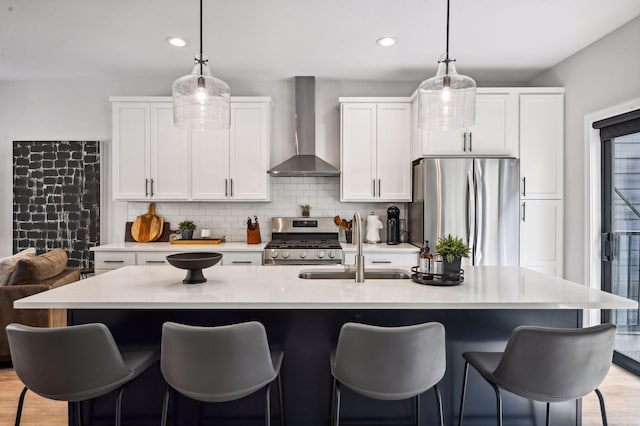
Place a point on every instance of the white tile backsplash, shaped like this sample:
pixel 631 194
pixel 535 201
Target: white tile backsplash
pixel 287 193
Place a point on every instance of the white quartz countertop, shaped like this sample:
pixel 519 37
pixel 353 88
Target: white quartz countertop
pixel 226 246
pixel 278 287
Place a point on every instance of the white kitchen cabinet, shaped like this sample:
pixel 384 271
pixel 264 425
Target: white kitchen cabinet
pixel 375 151
pixel 150 155
pixel 495 131
pixel 541 235
pixel 242 258
pixel 541 145
pixel 154 160
pixel 105 261
pixel 168 156
pixel 383 259
pixel 131 142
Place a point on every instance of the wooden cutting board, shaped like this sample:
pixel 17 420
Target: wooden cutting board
pixel 166 232
pixel 147 227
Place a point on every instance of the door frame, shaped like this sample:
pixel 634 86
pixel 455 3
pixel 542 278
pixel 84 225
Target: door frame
pixel 592 204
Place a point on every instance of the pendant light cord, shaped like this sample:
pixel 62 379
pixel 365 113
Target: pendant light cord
pixel 201 57
pixel 446 61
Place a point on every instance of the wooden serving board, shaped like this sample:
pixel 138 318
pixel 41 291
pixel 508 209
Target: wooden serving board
pixel 198 241
pixel 164 237
pixel 147 227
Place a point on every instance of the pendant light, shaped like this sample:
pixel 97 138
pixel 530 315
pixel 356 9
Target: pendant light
pixel 201 101
pixel 448 100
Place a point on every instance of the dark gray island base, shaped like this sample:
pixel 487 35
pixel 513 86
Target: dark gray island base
pixel 307 337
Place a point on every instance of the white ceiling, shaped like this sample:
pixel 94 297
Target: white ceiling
pixel 493 40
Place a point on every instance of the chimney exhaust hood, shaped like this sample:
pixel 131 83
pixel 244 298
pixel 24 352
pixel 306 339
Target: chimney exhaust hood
pixel 305 162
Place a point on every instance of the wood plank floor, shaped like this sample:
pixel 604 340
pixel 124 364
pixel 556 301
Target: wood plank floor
pixel 621 391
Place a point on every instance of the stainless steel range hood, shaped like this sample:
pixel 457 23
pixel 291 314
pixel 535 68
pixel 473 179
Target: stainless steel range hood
pixel 305 162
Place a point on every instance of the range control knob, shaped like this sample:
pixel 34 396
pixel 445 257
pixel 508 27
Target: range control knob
pixel 285 254
pixel 332 254
pixel 302 254
pixel 273 253
pixel 320 254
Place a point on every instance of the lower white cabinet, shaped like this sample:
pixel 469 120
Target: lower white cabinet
pixel 242 258
pixel 541 236
pixel 109 260
pixel 383 259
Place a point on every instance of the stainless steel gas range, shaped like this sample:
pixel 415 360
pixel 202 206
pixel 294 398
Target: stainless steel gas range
pixel 303 241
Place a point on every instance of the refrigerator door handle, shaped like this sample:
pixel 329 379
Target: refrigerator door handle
pixel 471 213
pixel 477 218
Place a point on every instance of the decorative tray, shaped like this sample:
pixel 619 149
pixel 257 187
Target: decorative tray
pixel 199 241
pixel 434 279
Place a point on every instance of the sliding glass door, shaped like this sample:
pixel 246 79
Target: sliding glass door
pixel 621 240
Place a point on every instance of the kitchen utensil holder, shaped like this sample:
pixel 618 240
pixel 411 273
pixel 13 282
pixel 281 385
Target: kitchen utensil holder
pixel 433 279
pixel 253 235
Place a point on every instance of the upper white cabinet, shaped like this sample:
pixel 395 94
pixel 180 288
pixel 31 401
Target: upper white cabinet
pixel 154 160
pixel 541 145
pixel 375 145
pixel 495 131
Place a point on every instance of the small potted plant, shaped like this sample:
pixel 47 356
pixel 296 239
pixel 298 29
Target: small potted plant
pixel 306 208
pixel 452 249
pixel 186 228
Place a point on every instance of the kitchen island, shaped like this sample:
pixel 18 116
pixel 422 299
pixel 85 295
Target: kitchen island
pixel 304 317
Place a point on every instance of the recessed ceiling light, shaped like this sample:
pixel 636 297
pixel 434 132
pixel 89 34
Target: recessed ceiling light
pixel 386 41
pixel 176 41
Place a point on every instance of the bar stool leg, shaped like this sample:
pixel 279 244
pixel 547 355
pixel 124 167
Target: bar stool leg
pixel 439 404
pixel 119 406
pixel 498 404
pixel 603 411
pixel 281 400
pixel 165 407
pixel 20 404
pixel 337 418
pixel 333 402
pixel 79 412
pixel 418 410
pixel 196 412
pixel 548 422
pixel 267 405
pixel 464 390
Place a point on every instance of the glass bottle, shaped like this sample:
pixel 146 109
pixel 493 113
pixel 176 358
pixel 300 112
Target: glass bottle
pixel 426 260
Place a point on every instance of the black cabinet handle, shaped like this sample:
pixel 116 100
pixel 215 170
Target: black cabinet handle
pixel 380 261
pixel 114 261
pixel 152 187
pixel 155 261
pixel 245 262
pixel 146 187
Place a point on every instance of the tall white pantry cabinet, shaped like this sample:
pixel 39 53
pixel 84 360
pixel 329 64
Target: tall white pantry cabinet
pixel 155 161
pixel 526 123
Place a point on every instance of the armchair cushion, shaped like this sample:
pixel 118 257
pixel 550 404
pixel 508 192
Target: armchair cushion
pixel 8 264
pixel 39 268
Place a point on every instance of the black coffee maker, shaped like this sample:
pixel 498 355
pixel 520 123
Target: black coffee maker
pixel 393 225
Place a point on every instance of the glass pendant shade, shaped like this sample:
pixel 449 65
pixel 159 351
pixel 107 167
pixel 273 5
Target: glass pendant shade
pixel 448 100
pixel 201 101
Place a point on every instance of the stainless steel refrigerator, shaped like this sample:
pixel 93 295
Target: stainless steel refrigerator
pixel 473 198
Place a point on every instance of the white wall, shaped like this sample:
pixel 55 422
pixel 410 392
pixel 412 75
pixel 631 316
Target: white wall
pixel 603 74
pixel 79 110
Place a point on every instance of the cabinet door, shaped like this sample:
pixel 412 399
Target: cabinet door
pixel 249 151
pixel 541 145
pixel 131 139
pixel 358 152
pixel 169 156
pixel 209 164
pixel 541 235
pixel 443 142
pixel 496 128
pixel 393 152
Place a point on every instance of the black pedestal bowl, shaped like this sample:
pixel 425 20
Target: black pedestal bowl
pixel 194 263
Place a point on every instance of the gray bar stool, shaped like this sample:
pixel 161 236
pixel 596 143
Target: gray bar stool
pixel 219 364
pixel 74 364
pixel 546 364
pixel 389 363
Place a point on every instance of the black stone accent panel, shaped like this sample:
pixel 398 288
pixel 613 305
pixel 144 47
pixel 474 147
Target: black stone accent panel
pixel 56 198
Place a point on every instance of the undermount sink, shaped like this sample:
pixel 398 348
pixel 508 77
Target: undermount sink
pixel 371 274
